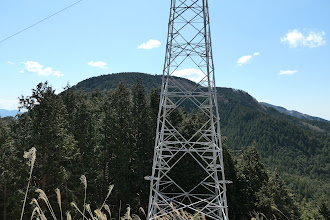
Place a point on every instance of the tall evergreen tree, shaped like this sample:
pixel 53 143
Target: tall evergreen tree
pixel 236 200
pixel 44 127
pixel 143 141
pixel 6 171
pixel 275 199
pixel 253 174
pixel 117 144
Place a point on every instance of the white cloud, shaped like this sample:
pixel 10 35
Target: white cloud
pixel 243 59
pixel 58 73
pixel 295 39
pixel 35 67
pixel 10 63
pixel 99 64
pixel 246 58
pixel 150 44
pixel 9 104
pixel 195 75
pixel 288 72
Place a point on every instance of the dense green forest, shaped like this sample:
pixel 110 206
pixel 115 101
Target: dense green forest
pixel 104 128
pixel 299 149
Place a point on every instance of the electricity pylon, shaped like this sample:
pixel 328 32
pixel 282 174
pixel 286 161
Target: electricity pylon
pixel 188 51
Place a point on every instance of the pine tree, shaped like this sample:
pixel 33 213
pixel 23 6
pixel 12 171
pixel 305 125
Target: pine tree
pixel 117 144
pixel 143 141
pixel 253 175
pixel 6 171
pixel 275 199
pixel 236 201
pixel 45 127
pixel 84 120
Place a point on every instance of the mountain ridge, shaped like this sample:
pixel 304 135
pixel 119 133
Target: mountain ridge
pixel 154 81
pixel 8 113
pixel 298 148
pixel 293 113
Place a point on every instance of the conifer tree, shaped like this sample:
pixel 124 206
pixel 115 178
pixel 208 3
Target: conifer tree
pixel 143 143
pixel 275 199
pixel 117 144
pixel 236 201
pixel 44 127
pixel 253 174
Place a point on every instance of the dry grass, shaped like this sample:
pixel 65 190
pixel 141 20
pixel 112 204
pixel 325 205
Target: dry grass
pixel 31 156
pixel 101 213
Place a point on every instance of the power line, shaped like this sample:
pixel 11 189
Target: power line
pixel 40 21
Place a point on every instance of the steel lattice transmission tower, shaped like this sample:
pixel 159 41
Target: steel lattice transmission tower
pixel 203 189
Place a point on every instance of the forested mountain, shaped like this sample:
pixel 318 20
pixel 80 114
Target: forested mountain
pixel 104 128
pixel 293 113
pixel 299 149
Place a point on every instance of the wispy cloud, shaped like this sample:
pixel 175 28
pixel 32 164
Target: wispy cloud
pixel 11 104
pixel 99 64
pixel 10 63
pixel 195 75
pixel 245 59
pixel 295 39
pixel 150 44
pixel 35 67
pixel 288 72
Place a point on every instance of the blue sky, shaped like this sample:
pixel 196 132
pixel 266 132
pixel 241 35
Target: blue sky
pixel 277 51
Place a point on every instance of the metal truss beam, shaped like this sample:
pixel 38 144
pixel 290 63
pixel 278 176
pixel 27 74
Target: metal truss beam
pixel 188 46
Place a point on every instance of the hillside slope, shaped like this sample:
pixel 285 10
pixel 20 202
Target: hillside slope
pixel 293 113
pixel 298 148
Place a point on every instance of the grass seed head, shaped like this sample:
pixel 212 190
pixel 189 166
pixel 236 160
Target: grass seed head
pixel 100 214
pixel 107 208
pixel 74 205
pixel 68 216
pixel 31 156
pixel 58 195
pixel 142 210
pixel 109 190
pixel 42 195
pixel 83 181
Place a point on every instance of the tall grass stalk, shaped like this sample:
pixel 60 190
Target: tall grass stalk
pixel 73 204
pixel 43 196
pixel 84 182
pixel 59 201
pixel 109 192
pixel 98 214
pixel 31 156
pixel 40 212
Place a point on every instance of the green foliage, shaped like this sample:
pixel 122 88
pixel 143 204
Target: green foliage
pixel 45 127
pixel 254 176
pixel 143 139
pixel 107 134
pixel 275 199
pixel 324 211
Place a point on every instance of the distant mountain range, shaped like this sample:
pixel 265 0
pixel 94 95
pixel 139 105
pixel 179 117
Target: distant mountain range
pixel 8 113
pixel 293 112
